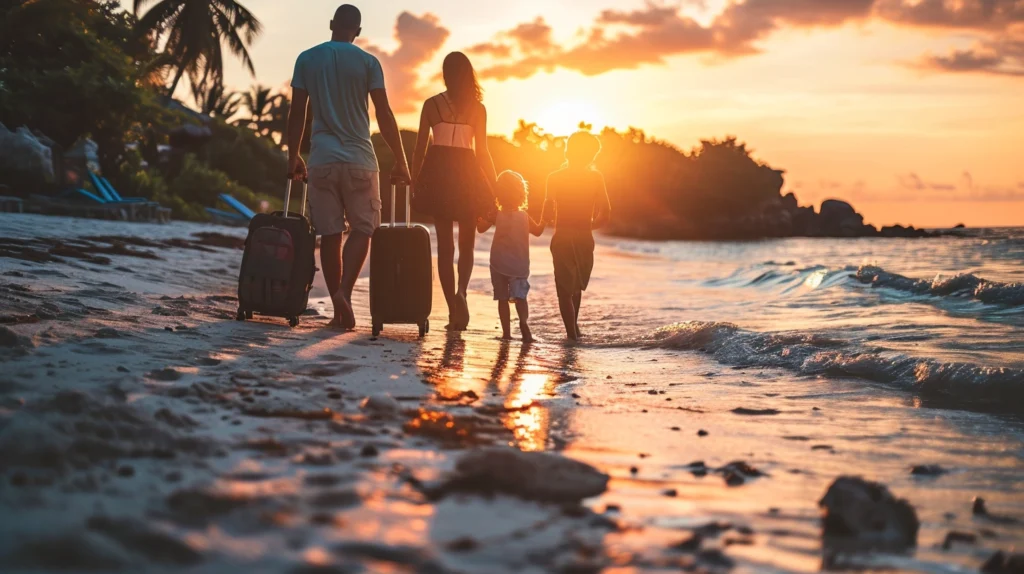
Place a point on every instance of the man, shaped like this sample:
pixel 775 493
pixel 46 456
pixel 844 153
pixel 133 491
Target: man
pixel 334 79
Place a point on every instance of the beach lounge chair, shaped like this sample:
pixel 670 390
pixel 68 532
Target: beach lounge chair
pixel 237 206
pixel 153 210
pixel 10 204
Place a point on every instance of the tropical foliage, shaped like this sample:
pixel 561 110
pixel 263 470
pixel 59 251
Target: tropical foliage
pixel 656 189
pixel 267 112
pixel 195 32
pixel 75 67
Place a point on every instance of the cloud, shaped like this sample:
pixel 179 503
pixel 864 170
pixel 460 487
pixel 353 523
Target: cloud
pixel 913 182
pixel 532 37
pixel 419 39
pixel 741 24
pixel 972 14
pixel 1002 56
pixel 491 49
pixel 624 40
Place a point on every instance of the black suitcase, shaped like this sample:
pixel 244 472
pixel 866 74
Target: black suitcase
pixel 401 273
pixel 278 264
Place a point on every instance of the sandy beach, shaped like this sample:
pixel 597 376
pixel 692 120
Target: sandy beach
pixel 143 429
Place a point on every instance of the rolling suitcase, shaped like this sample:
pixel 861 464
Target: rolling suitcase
pixel 278 263
pixel 401 273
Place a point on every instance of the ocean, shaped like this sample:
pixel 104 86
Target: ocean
pixel 132 402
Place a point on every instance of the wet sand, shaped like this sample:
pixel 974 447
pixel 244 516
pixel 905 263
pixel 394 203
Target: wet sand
pixel 142 428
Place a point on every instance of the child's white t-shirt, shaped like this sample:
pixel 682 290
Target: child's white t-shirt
pixel 510 249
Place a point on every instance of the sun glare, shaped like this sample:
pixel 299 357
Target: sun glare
pixel 563 118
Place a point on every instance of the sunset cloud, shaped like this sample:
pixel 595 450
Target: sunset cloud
pixel 419 39
pixel 622 40
pixel 1001 56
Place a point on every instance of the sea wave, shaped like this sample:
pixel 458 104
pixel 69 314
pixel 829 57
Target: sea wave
pixel 813 354
pixel 965 285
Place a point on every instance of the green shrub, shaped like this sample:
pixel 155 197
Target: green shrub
pixel 197 186
pixel 254 162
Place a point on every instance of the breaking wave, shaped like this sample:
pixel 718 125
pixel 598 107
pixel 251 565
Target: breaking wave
pixel 966 285
pixel 811 354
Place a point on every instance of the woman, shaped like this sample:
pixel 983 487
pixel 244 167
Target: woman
pixel 452 179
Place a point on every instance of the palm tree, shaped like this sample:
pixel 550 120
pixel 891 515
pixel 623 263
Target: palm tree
pixel 214 101
pixel 261 103
pixel 195 32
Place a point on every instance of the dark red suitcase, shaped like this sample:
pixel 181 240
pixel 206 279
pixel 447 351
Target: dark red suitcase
pixel 401 273
pixel 278 264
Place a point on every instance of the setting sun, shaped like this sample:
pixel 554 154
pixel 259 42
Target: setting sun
pixel 563 117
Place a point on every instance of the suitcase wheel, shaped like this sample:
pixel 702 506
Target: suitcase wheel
pixel 293 321
pixel 242 315
pixel 377 328
pixel 248 314
pixel 424 328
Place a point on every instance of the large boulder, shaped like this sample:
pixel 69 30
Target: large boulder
pixel 900 231
pixel 806 222
pixel 840 219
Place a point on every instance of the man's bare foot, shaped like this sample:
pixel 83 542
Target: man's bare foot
pixel 506 336
pixel 527 334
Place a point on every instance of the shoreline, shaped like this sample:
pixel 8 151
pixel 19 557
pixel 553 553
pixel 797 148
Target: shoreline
pixel 214 451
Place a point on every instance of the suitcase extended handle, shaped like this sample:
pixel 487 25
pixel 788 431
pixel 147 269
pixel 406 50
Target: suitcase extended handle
pixel 288 198
pixel 408 213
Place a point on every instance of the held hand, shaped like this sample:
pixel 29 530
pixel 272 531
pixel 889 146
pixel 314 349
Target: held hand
pixel 400 174
pixel 297 169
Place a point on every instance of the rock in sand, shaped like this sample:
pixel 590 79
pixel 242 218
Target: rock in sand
pixel 866 515
pixel 380 404
pixel 540 476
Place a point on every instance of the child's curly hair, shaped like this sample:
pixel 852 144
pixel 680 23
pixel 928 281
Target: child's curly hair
pixel 512 192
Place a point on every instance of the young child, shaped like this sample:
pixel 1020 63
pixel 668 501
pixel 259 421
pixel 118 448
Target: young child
pixel 510 251
pixel 577 203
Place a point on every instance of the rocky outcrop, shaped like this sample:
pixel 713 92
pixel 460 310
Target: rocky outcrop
pixel 781 216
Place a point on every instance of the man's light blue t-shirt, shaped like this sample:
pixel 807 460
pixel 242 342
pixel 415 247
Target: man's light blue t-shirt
pixel 339 77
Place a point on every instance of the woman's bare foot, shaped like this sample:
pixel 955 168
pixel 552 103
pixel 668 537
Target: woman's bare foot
pixel 344 318
pixel 578 332
pixel 527 334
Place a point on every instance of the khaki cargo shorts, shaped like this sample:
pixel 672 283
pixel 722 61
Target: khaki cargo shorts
pixel 344 191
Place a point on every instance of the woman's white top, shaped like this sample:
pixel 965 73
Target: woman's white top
pixel 450 131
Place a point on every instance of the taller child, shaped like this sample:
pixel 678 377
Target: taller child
pixel 577 203
pixel 335 79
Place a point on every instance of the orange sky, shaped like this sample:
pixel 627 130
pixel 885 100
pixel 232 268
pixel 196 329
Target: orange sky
pixel 909 109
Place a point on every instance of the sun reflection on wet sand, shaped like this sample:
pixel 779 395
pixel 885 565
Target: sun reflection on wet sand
pixel 516 376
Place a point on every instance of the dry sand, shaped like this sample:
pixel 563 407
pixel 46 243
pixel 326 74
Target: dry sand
pixel 143 429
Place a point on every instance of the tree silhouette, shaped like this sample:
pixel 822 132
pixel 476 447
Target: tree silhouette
pixel 215 101
pixel 195 33
pixel 268 112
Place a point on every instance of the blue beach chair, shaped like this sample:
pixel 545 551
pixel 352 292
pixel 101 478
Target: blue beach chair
pixel 227 217
pixel 237 206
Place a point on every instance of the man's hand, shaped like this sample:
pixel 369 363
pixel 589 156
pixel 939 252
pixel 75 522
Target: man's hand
pixel 297 168
pixel 400 173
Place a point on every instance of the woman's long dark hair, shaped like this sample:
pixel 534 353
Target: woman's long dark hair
pixel 460 80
